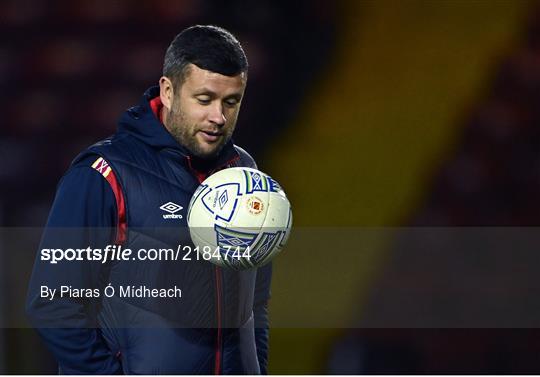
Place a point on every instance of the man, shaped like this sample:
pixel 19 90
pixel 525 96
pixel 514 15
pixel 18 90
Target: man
pixel 179 134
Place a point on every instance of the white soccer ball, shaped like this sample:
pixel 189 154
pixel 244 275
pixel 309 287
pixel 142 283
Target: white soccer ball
pixel 239 218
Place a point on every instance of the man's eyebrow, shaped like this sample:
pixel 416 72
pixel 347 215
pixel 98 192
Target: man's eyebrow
pixel 205 91
pixel 208 92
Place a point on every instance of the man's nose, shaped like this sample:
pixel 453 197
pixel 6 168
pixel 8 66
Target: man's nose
pixel 216 114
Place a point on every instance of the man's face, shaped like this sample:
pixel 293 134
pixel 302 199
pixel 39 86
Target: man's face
pixel 203 114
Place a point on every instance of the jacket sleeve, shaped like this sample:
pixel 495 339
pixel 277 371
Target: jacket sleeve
pixel 260 311
pixel 83 214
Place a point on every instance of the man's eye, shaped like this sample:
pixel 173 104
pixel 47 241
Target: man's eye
pixel 231 103
pixel 203 101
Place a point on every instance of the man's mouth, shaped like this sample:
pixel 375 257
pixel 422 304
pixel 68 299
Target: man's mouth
pixel 210 136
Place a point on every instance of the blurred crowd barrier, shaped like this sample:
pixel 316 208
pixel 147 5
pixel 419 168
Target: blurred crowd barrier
pixel 488 183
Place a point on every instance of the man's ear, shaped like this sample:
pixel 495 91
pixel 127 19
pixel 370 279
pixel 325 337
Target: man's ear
pixel 166 92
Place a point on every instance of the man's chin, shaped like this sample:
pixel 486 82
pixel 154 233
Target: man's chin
pixel 207 153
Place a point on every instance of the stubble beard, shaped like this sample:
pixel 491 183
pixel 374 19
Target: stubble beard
pixel 185 134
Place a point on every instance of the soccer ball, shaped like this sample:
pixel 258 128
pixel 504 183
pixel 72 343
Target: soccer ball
pixel 239 218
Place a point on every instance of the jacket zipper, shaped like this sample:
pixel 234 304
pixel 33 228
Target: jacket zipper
pixel 218 352
pixel 219 338
pixel 217 366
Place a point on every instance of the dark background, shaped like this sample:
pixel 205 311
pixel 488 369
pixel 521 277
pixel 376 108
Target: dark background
pixel 369 114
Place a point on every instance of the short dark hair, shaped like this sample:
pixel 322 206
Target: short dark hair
pixel 208 47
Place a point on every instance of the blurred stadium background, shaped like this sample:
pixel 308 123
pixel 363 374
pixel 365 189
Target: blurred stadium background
pixel 370 113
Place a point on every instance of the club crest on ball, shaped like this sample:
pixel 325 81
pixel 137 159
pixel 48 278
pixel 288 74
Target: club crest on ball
pixel 255 205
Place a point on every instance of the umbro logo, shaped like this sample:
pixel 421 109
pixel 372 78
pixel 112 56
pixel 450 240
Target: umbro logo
pixel 171 208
